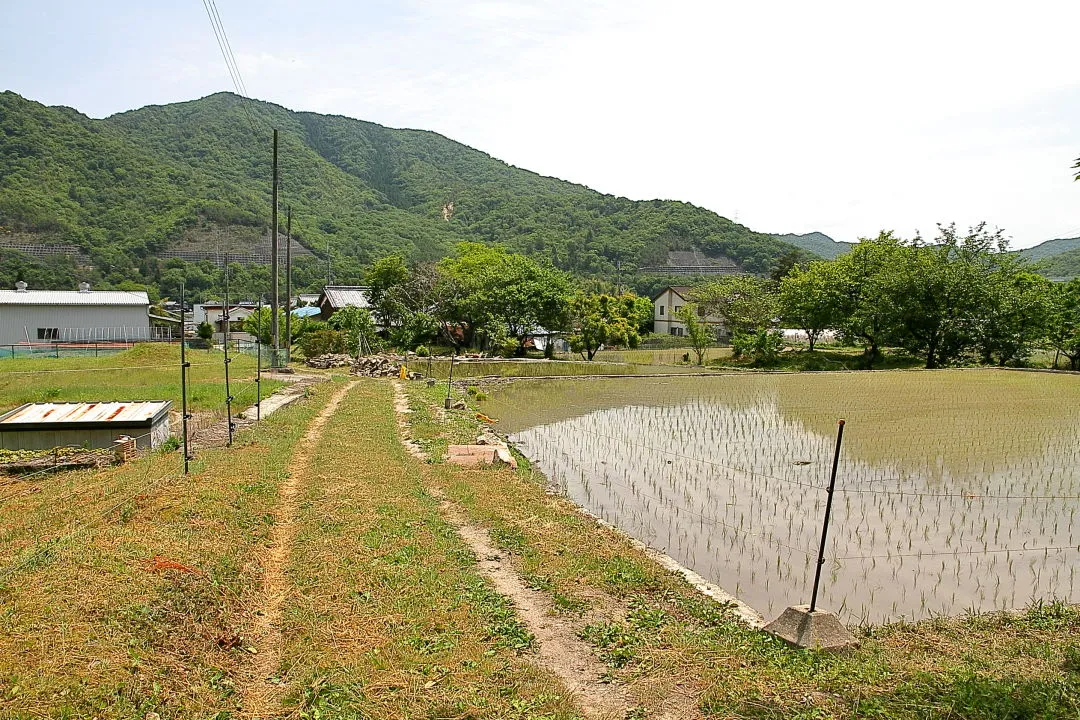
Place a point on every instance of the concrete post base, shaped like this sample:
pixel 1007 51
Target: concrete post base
pixel 820 629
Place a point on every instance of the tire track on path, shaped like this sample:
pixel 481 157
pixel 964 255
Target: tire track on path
pixel 260 690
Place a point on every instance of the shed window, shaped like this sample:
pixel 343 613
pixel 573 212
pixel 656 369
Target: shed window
pixel 48 333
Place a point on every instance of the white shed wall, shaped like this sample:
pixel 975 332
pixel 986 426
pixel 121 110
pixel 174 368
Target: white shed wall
pixel 13 318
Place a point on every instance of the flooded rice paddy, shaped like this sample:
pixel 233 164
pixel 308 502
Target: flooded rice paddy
pixel 956 490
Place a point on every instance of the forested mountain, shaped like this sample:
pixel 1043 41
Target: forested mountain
pixel 1062 266
pixel 197 175
pixel 1051 247
pixel 817 243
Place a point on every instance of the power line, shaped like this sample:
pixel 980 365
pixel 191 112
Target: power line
pixel 230 60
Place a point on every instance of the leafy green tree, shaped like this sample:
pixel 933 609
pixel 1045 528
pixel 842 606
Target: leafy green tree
pixel 598 320
pixel 744 302
pixel 863 290
pixel 699 332
pixel 358 328
pixel 205 331
pixel 1064 321
pixel 384 276
pixel 1015 316
pixel 811 299
pixel 941 290
pixel 494 293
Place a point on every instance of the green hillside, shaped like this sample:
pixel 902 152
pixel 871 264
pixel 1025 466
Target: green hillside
pixel 1062 266
pixel 187 175
pixel 817 243
pixel 1050 248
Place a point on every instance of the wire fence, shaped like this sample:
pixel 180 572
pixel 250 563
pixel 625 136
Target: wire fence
pixel 670 493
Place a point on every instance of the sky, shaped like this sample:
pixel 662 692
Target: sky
pixel 842 117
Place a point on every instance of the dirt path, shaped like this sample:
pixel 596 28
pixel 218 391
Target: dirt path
pixel 260 690
pixel 558 647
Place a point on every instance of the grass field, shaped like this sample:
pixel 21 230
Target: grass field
pixel 137 599
pixel 149 371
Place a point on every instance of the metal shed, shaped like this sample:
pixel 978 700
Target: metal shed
pixel 33 316
pixel 39 426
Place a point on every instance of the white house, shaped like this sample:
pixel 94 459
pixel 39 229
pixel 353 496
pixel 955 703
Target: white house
pixel 73 316
pixel 670 301
pixel 214 313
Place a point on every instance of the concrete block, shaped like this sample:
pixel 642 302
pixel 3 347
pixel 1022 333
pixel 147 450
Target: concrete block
pixel 820 629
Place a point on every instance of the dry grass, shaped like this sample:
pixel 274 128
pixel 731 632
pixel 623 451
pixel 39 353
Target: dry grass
pixel 388 617
pixel 91 625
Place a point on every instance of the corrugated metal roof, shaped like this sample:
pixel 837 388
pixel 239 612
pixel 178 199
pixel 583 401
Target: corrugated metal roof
pixel 73 297
pixel 80 413
pixel 341 296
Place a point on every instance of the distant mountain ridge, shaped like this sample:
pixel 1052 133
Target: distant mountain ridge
pixel 1050 248
pixel 817 243
pixel 197 174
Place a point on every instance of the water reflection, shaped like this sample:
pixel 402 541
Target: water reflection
pixel 938 510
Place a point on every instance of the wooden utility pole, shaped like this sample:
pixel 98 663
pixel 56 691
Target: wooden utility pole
pixel 274 261
pixel 288 278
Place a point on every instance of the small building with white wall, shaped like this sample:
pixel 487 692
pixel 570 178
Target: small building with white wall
pixel 42 426
pixel 668 302
pixel 72 316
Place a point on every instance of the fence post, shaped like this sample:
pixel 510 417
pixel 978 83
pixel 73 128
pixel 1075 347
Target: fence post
pixel 258 368
pixel 228 332
pixel 450 379
pixel 184 365
pixel 828 512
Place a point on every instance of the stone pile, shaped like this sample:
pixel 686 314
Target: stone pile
pixel 381 366
pixel 333 360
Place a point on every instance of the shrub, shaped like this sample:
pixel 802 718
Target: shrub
pixel 323 342
pixel 422 351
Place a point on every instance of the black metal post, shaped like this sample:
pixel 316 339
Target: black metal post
pixel 184 365
pixel 828 511
pixel 228 329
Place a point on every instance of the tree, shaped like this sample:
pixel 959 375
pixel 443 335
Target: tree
pixel 384 275
pixel 357 326
pixel 862 293
pixel 941 291
pixel 1064 321
pixel 494 293
pixel 1016 315
pixel 598 320
pixel 205 331
pixel 258 325
pixel 810 299
pixel 699 332
pixel 745 302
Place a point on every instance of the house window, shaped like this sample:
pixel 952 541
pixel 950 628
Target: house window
pixel 661 311
pixel 677 309
pixel 48 333
pixel 701 312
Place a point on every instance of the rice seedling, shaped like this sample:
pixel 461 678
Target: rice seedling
pixel 957 489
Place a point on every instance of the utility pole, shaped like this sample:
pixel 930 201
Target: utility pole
pixel 274 261
pixel 329 281
pixel 288 280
